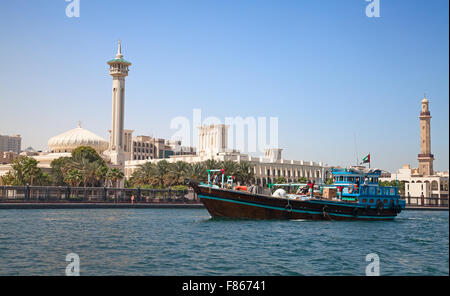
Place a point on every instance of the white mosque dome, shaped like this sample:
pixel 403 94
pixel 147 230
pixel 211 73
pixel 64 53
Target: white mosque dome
pixel 68 141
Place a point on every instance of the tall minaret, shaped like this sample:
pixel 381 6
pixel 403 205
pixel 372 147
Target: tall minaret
pixel 118 69
pixel 425 157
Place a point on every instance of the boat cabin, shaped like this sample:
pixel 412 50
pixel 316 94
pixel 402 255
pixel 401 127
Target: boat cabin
pixel 362 186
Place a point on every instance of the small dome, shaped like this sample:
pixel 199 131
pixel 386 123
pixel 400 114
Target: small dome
pixel 425 100
pixel 68 141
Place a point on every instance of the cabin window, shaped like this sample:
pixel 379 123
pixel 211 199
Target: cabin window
pixel 371 201
pixel 385 201
pixel 351 179
pixel 364 200
pixel 341 178
pixel 378 191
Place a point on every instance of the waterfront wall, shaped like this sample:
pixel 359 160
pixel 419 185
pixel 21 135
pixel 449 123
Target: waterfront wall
pixel 104 197
pixel 60 194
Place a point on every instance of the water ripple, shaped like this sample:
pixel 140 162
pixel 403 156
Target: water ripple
pixel 188 242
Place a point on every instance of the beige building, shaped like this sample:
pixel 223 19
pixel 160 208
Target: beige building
pixel 7 156
pixel 147 148
pixel 11 143
pixel 213 140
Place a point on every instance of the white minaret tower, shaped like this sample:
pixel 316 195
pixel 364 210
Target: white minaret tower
pixel 118 69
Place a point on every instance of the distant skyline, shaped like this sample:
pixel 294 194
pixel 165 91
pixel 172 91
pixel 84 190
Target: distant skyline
pixel 330 74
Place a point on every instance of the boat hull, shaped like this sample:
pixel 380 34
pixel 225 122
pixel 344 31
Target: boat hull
pixel 225 203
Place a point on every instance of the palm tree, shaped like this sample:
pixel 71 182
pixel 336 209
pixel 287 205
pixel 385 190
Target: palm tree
pixel 73 177
pixel 161 173
pixel 95 170
pixel 143 175
pixel 91 172
pixel 212 164
pixel 245 172
pixel 178 172
pixel 302 180
pixel 30 169
pixel 115 175
pixel 230 167
pixel 196 171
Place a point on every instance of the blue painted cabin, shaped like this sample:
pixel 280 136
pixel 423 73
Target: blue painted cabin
pixel 363 186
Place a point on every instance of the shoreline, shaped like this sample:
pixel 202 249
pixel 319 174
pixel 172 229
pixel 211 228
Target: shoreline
pixel 18 206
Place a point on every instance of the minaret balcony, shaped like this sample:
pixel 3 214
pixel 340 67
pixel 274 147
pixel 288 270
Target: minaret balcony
pixel 426 155
pixel 118 72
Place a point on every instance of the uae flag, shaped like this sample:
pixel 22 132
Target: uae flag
pixel 366 159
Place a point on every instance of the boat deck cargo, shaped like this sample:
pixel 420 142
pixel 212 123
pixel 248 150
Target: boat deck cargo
pixel 354 195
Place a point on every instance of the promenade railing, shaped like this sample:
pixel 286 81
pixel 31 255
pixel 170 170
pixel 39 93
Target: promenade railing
pixel 426 201
pixel 94 194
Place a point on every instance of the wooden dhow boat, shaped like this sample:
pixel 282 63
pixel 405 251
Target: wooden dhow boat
pixel 355 195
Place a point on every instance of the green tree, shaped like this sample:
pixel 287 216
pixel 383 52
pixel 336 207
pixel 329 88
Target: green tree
pixel 73 177
pixel 211 164
pixel 280 180
pixel 24 171
pixel 58 170
pixel 178 172
pixel 114 175
pixel 86 152
pixel 196 171
pixel 161 172
pixel 245 172
pixel 302 180
pixel 143 175
pixel 329 181
pixel 231 167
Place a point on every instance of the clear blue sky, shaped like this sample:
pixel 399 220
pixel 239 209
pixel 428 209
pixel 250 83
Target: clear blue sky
pixel 328 72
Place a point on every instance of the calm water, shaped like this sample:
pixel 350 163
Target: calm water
pixel 188 242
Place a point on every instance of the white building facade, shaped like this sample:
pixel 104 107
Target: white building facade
pixel 213 143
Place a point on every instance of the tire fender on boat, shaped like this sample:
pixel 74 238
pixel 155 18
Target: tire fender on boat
pixel 350 190
pixel 325 212
pixel 393 204
pixel 380 206
pixel 288 208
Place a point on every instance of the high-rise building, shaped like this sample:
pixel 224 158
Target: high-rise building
pixel 11 143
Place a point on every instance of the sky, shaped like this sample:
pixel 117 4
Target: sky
pixel 340 83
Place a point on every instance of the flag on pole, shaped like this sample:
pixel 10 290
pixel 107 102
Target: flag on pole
pixel 366 159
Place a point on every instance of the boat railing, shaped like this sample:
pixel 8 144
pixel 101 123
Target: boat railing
pixel 361 190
